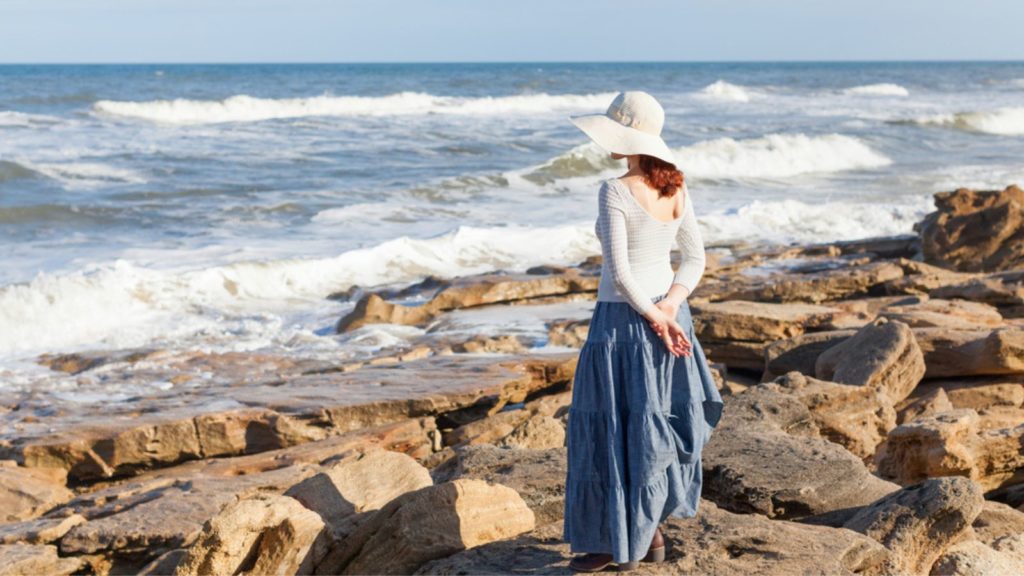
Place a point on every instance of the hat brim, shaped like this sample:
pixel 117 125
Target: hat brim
pixel 615 137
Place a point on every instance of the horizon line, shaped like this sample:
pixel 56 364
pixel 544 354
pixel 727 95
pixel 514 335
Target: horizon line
pixel 467 62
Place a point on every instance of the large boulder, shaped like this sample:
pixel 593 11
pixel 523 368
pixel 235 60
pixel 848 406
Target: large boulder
pixel 431 523
pixel 975 231
pixel 769 459
pixel 537 475
pixel 261 534
pixel 951 443
pixel 974 558
pixel 358 483
pixel 919 522
pixel 883 355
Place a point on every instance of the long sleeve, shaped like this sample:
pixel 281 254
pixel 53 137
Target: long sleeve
pixel 611 230
pixel 691 247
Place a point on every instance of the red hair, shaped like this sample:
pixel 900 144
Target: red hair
pixel 660 175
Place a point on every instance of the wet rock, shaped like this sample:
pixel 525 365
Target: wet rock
pixel 883 355
pixel 151 434
pixel 716 542
pixel 32 560
pixel 26 492
pixel 571 333
pixel 466 293
pixel 261 534
pixel 951 443
pixel 430 523
pixel 538 475
pixel 81 361
pixel 975 230
pixel 919 522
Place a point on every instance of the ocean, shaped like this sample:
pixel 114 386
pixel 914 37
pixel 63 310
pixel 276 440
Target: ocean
pixel 214 207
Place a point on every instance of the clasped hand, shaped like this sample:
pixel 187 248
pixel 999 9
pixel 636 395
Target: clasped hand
pixel 663 322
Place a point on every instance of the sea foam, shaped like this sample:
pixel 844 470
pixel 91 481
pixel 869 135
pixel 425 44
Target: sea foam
pixel 778 156
pixel 243 108
pixel 878 90
pixel 722 90
pixel 1003 121
pixel 123 304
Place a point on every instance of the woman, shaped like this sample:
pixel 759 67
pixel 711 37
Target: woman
pixel 643 400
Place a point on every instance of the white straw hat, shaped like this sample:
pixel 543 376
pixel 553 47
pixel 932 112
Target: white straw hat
pixel 632 125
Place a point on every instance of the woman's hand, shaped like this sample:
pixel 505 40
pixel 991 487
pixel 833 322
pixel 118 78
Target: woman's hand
pixel 670 332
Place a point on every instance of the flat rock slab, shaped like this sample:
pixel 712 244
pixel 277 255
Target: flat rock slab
pixel 716 541
pixel 760 321
pixel 172 427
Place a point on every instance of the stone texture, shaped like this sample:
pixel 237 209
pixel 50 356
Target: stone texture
pixel 975 230
pixel 883 355
pixel 467 293
pixel 32 560
pixel 538 475
pixel 973 558
pixel 39 530
pixel 816 287
pixel 766 457
pixel 26 493
pixel 939 313
pixel 308 408
pixel 359 483
pixel 261 534
pixel 951 443
pixel 432 523
pixel 136 520
pixel 950 353
pixel 759 321
pixel 919 522
pixel 856 417
pixel 715 542
pixel 800 353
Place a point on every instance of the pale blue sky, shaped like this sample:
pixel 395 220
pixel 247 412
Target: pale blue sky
pixel 515 30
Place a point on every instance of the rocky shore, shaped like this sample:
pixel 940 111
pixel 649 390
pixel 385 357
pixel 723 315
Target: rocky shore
pixel 874 424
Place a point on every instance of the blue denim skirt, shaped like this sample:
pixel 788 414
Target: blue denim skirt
pixel 637 424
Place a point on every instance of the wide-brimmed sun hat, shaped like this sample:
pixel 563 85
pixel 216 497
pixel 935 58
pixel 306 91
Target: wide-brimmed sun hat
pixel 632 125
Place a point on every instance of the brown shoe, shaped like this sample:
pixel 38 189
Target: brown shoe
pixel 656 553
pixel 590 562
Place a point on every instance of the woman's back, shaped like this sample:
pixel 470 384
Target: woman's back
pixel 636 247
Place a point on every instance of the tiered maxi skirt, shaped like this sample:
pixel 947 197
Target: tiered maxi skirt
pixel 637 425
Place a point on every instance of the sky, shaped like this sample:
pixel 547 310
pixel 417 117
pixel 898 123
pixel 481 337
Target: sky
pixel 162 31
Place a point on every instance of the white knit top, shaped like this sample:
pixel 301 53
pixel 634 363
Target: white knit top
pixel 636 248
